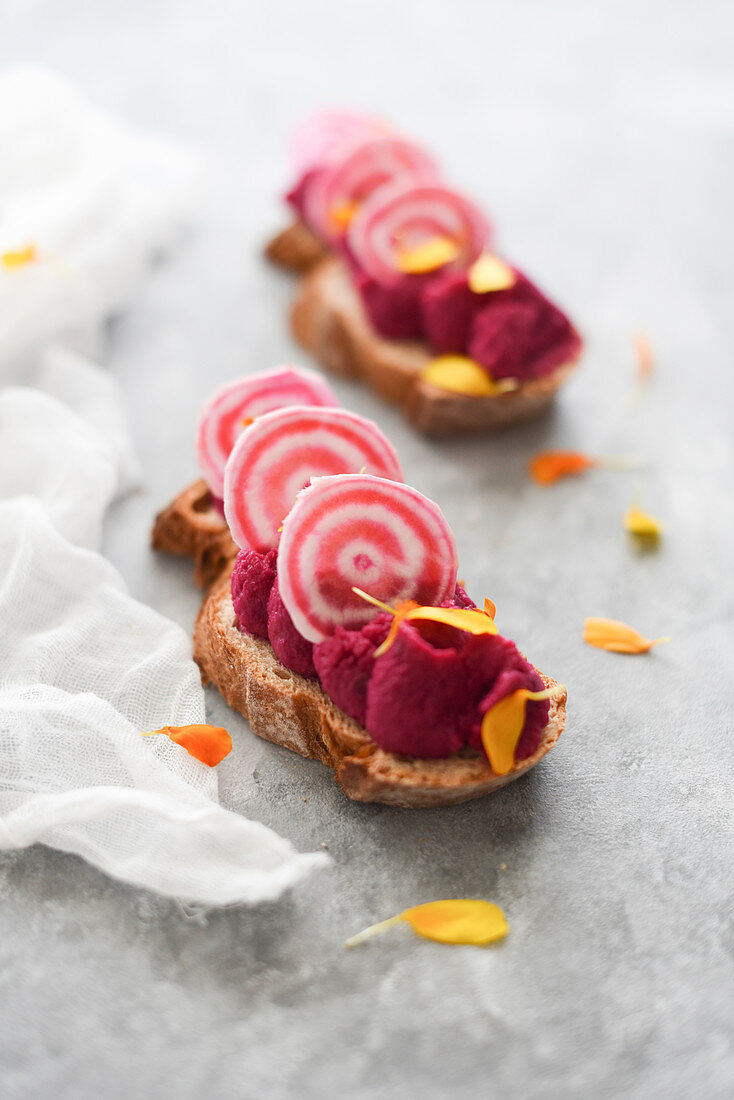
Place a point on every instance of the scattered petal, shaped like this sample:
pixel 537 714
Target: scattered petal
pixel 617 637
pixel 22 256
pixel 342 214
pixel 459 374
pixel 473 620
pixel 456 921
pixel 549 466
pixel 428 256
pixel 209 744
pixel 642 523
pixel 503 723
pixel 645 360
pixel 489 273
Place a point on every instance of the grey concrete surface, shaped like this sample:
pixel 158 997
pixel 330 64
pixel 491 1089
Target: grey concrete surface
pixel 601 139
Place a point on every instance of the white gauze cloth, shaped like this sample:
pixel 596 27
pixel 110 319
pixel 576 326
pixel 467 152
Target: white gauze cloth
pixel 96 199
pixel 84 668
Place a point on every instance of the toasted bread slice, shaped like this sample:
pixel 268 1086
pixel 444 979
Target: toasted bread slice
pixel 296 248
pixel 328 320
pixel 292 711
pixel 192 526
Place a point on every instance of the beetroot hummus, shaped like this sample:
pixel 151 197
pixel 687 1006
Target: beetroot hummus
pixel 425 696
pixel 512 333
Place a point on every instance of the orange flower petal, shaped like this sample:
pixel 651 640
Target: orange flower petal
pixel 459 374
pixel 549 466
pixel 617 637
pixel 209 744
pixel 342 214
pixel 489 273
pixel 456 921
pixel 27 255
pixel 398 614
pixel 472 620
pixel 428 256
pixel 502 726
pixel 645 360
pixel 642 524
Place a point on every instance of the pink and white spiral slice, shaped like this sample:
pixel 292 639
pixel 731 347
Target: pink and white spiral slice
pixel 278 454
pixel 404 217
pixel 318 137
pixel 224 414
pixel 358 172
pixel 361 531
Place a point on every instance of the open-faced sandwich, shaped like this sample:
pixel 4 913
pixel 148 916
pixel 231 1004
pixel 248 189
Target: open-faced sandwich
pixel 340 630
pixel 401 284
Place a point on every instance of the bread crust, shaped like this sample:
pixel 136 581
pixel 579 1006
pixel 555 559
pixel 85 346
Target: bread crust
pixel 292 711
pixel 296 248
pixel 328 320
pixel 191 526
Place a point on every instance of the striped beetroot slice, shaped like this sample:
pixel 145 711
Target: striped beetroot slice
pixel 358 172
pixel 323 134
pixel 278 454
pixel 222 417
pixel 356 530
pixel 406 215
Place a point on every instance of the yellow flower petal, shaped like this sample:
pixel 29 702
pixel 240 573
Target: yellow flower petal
pixel 472 620
pixel 642 523
pixel 459 374
pixel 490 273
pixel 459 920
pixel 341 215
pixel 456 921
pixel 617 637
pixel 27 255
pixel 502 726
pixel 427 256
pixel 398 615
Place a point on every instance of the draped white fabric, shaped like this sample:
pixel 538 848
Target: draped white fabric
pixel 84 668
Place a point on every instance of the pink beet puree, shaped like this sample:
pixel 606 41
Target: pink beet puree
pixel 253 577
pixel 520 334
pixel 260 610
pixel 394 311
pixel 345 662
pixel 296 197
pixel 425 697
pixel 290 647
pixel 448 308
pixel 513 333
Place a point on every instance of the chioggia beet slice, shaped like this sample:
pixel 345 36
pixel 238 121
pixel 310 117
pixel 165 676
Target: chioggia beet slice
pixel 279 453
pixel 232 406
pixel 322 135
pixel 421 220
pixel 356 530
pixel 343 186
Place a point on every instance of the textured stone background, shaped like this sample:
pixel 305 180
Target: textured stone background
pixel 601 140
